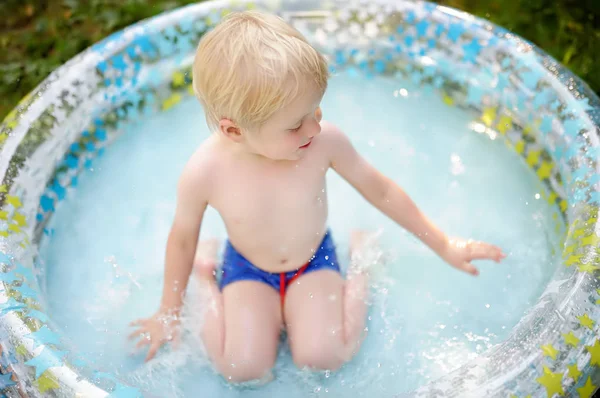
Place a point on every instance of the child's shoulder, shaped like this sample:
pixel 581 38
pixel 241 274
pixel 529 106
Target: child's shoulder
pixel 332 138
pixel 201 166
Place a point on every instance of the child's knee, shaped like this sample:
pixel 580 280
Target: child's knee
pixel 319 356
pixel 237 369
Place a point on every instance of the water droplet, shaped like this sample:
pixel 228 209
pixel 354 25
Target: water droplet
pixel 310 295
pixel 487 306
pixel 403 92
pixel 379 364
pixel 327 373
pixel 537 196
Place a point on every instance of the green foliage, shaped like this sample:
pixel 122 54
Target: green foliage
pixel 37 36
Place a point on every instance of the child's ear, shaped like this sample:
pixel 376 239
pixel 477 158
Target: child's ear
pixel 230 130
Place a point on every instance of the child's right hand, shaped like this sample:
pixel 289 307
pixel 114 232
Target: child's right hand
pixel 155 331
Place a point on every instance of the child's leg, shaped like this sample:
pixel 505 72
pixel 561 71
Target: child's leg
pixel 241 325
pixel 325 316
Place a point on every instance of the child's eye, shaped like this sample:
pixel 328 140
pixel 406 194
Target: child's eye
pixel 296 129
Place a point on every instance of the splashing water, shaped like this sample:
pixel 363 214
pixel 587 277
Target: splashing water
pixel 104 250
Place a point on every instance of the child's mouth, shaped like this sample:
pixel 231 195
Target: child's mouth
pixel 306 145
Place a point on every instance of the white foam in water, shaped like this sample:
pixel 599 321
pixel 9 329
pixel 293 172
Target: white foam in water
pixel 105 250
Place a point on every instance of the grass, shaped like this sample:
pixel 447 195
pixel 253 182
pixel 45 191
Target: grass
pixel 37 36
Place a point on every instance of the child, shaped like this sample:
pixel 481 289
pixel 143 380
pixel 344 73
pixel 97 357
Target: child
pixel 260 84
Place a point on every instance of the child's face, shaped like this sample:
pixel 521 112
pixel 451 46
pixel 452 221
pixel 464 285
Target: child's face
pixel 288 133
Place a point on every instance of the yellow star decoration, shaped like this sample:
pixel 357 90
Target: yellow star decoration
pixel 574 372
pixel 447 100
pixel 569 249
pixel 3 188
pixel 545 170
pixel 594 350
pixel 573 259
pixel 579 232
pixel 563 205
pixel 552 198
pixel 3 215
pixel 550 351
pixel 21 350
pixel 488 116
pixel 169 102
pixel 571 339
pixel 504 124
pixel 14 200
pixel 520 146
pixel 4 234
pixel 587 390
pixel 19 219
pixel 586 321
pixel 552 382
pixel 178 79
pixel 592 240
pixel 46 382
pixel 533 157
pixel 3 137
pixel 587 268
pixel 14 228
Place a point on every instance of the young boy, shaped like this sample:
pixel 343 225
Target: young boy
pixel 263 170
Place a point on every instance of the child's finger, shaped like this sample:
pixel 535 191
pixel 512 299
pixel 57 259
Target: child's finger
pixel 469 268
pixel 482 251
pixel 152 351
pixel 136 333
pixel 144 341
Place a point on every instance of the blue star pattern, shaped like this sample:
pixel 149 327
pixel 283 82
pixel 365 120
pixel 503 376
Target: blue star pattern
pixel 572 127
pixel 43 336
pixel 541 99
pixel 455 31
pixel 472 50
pixel 546 125
pixel 24 271
pixel 5 381
pixel 8 277
pixel 10 305
pixel 45 360
pixel 422 28
pixel 7 358
pixel 33 313
pixel 4 258
pixel 26 291
pixel 474 95
pixel 531 78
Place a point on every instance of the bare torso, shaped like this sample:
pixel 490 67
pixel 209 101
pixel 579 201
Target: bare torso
pixel 275 213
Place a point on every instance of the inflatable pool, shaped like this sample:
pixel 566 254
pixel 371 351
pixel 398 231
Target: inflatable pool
pixel 492 136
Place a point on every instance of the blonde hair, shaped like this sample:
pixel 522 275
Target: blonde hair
pixel 252 64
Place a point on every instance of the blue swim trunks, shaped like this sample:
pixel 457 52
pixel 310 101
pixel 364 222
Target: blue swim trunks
pixel 237 268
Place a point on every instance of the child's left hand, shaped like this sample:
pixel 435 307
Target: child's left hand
pixel 459 253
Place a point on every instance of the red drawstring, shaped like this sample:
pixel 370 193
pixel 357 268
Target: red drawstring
pixel 283 285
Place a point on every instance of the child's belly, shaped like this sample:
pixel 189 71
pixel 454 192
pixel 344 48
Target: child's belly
pixel 278 237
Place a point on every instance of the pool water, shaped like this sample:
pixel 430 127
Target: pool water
pixel 104 247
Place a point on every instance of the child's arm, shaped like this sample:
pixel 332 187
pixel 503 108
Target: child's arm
pixel 192 199
pixel 390 199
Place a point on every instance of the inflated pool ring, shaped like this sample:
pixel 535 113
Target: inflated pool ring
pixel 540 109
